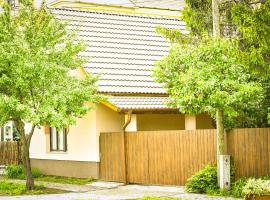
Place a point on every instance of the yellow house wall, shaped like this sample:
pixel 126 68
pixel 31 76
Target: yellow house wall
pixel 82 138
pixel 150 122
pixel 204 121
pixel 82 142
pixel 154 122
pixel 108 120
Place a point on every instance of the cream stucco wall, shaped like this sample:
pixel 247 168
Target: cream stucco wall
pixel 82 138
pixel 81 142
pixel 108 120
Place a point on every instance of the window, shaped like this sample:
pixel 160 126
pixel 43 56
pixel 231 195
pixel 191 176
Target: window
pixel 9 132
pixel 58 139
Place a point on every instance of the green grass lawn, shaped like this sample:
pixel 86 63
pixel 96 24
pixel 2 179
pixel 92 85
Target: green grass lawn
pixel 160 198
pixel 18 172
pixel 65 180
pixel 9 188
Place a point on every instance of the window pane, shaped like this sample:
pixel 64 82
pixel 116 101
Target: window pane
pixel 61 146
pixel 53 139
pixel 8 131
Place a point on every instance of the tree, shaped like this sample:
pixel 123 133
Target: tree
pixel 208 77
pixel 249 23
pixel 37 54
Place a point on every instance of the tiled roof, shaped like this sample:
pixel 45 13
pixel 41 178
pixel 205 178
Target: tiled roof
pixel 164 4
pixel 122 48
pixel 139 102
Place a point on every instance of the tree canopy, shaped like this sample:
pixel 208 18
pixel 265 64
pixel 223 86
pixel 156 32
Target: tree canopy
pixel 37 55
pixel 249 24
pixel 209 76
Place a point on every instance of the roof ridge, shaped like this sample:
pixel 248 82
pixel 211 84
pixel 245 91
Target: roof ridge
pixel 114 13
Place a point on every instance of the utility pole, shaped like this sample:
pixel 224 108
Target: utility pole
pixel 215 14
pixel 223 161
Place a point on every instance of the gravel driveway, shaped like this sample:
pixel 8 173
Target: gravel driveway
pixel 110 191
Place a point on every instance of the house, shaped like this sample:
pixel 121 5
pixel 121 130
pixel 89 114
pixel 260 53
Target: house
pixel 122 48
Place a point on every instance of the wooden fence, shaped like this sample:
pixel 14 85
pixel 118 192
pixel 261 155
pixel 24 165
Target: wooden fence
pixel 10 153
pixel 170 157
pixel 250 150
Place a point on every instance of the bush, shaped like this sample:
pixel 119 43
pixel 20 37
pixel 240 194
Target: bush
pixel 256 187
pixel 204 181
pixel 36 173
pixel 18 172
pixel 237 187
pixel 15 171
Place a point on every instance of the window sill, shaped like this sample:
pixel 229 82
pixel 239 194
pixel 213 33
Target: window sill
pixel 57 152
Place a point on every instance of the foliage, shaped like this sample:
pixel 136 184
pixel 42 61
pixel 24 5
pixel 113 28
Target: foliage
pixel 65 180
pixel 250 24
pixel 237 187
pixel 9 188
pixel 203 181
pixel 173 35
pixel 199 11
pixel 209 76
pixel 253 24
pixel 15 171
pixel 37 55
pixel 36 173
pixel 18 172
pixel 256 187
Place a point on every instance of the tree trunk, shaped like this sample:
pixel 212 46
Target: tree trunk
pixel 220 133
pixel 27 167
pixel 25 139
pixel 220 139
pixel 215 14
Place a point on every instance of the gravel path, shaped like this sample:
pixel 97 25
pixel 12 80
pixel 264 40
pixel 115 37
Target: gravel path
pixel 119 193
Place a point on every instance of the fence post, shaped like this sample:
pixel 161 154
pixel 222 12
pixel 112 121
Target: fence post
pixel 19 152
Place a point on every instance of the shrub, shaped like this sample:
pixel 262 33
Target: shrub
pixel 237 187
pixel 204 181
pixel 36 173
pixel 18 172
pixel 15 171
pixel 256 187
pixel 232 170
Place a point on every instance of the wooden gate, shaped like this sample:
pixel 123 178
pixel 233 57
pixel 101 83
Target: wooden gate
pixel 156 157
